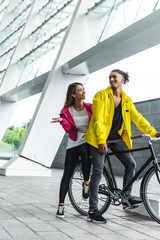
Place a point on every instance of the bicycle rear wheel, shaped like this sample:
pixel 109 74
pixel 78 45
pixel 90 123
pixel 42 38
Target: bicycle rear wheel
pixel 150 192
pixel 75 192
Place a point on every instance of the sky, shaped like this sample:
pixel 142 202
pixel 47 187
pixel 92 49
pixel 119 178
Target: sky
pixel 144 83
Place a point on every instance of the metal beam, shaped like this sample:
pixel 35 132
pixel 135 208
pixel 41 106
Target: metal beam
pixel 137 37
pixel 25 90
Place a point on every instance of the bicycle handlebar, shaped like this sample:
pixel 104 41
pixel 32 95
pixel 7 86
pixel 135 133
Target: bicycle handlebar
pixel 147 136
pixel 136 136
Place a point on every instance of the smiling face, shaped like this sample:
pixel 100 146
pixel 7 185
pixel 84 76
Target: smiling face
pixel 116 80
pixel 80 93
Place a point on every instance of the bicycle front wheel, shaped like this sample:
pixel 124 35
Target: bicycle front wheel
pixel 150 192
pixel 75 192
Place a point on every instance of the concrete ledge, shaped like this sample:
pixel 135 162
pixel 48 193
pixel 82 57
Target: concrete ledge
pixel 20 166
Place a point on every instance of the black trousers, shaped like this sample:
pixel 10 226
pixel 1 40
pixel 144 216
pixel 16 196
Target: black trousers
pixel 127 160
pixel 72 155
pixel 98 164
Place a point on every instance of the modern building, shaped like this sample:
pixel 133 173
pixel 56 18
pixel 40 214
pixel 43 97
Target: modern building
pixel 47 44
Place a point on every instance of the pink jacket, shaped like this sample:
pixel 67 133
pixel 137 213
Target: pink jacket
pixel 68 123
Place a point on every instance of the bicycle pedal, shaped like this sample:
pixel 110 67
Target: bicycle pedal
pixel 102 191
pixel 102 186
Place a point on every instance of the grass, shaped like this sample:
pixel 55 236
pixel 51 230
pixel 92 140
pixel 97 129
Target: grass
pixel 6 145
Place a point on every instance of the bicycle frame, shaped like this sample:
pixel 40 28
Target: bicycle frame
pixel 152 158
pixel 108 193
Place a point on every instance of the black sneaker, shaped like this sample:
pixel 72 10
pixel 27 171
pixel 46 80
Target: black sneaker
pixel 60 212
pixel 96 217
pixel 133 203
pixel 85 191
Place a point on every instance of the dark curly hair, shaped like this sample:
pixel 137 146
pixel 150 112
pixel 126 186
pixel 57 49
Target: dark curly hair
pixel 124 74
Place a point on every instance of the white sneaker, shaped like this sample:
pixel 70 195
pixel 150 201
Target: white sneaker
pixel 60 212
pixel 85 191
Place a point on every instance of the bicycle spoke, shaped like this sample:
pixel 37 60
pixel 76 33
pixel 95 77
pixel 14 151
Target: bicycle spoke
pixel 75 193
pixel 151 194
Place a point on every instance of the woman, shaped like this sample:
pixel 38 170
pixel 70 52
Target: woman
pixel 74 118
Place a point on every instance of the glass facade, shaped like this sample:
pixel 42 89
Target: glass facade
pixel 46 38
pixel 12 28
pixel 51 19
pixel 125 12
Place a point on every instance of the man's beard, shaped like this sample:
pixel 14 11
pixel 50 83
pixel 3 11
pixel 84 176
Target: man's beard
pixel 114 88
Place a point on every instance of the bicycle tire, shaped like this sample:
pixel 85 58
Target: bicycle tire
pixel 75 192
pixel 150 193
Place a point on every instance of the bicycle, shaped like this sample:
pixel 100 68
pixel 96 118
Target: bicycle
pixel 109 193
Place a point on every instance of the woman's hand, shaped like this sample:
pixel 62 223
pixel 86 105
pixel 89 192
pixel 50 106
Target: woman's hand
pixel 103 148
pixel 55 120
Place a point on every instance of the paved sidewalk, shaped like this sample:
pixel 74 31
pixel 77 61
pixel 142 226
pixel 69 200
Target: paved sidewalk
pixel 27 212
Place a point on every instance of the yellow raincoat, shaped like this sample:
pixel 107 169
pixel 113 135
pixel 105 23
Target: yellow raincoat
pixel 102 117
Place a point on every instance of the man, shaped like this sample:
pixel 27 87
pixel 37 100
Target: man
pixel 110 126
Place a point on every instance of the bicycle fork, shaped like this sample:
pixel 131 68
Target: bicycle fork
pixel 155 163
pixel 157 171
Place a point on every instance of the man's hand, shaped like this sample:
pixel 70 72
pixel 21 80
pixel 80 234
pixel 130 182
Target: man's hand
pixel 103 148
pixel 157 135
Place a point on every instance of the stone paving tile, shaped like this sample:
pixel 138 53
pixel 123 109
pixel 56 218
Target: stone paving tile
pixel 90 237
pixel 18 213
pixel 4 214
pixel 55 235
pixel 4 235
pixel 135 235
pixel 30 219
pixel 113 236
pixel 42 227
pixel 89 227
pixel 11 222
pixel 19 232
pixel 29 238
pixel 28 208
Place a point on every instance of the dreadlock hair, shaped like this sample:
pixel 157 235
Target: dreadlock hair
pixel 124 74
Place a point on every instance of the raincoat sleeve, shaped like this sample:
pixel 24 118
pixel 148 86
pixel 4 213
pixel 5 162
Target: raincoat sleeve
pixel 68 127
pixel 98 118
pixel 142 124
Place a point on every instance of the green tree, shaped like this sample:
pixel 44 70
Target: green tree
pixel 14 136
